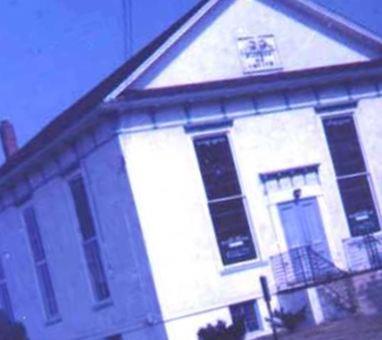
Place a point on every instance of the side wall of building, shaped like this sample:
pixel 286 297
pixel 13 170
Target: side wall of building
pixel 132 308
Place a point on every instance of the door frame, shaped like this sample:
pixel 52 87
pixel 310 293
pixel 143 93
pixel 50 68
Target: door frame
pixel 285 196
pixel 277 198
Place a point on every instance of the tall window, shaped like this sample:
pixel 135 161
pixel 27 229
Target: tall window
pixel 41 265
pixel 352 176
pixel 225 200
pixel 89 239
pixel 5 301
pixel 246 312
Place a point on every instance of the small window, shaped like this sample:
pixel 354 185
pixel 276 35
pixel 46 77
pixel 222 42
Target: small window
pixel 248 313
pixel 225 200
pixel 89 240
pixel 5 300
pixel 41 264
pixel 232 230
pixel 114 337
pixel 359 206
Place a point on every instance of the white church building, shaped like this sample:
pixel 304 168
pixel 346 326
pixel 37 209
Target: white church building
pixel 244 141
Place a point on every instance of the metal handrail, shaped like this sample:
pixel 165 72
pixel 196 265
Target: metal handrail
pixel 304 266
pixel 373 254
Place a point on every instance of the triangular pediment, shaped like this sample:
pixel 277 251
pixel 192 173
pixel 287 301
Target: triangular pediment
pixel 238 38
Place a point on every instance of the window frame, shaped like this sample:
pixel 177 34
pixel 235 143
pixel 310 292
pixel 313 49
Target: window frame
pixel 237 266
pixel 367 173
pixel 254 303
pixel 38 264
pixel 8 306
pixel 97 238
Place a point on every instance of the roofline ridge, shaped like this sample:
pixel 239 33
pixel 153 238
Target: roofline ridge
pixel 205 7
pixel 343 24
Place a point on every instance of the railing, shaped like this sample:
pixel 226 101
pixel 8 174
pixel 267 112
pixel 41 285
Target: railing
pixel 373 247
pixel 364 253
pixel 303 267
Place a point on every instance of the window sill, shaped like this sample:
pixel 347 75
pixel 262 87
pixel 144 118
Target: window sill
pixel 102 304
pixel 53 321
pixel 234 268
pixel 257 333
pixel 377 234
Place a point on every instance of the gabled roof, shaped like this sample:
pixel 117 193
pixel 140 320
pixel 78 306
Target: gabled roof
pixel 168 38
pixel 314 11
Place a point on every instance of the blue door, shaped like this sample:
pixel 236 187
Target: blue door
pixel 305 236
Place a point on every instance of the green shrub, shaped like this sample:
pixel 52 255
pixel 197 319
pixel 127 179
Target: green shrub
pixel 289 320
pixel 220 331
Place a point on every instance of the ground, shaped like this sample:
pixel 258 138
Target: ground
pixel 354 328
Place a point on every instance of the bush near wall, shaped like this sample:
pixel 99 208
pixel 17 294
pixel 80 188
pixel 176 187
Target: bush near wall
pixel 11 330
pixel 220 331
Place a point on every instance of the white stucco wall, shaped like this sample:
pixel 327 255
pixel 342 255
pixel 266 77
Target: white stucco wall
pixel 209 50
pixel 172 208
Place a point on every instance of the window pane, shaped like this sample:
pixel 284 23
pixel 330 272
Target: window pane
pixel 2 275
pixel 358 204
pixel 46 285
pixel 82 208
pixel 232 231
pixel 44 279
pixel 344 146
pixel 96 270
pixel 247 312
pixel 34 234
pixel 91 248
pixel 217 167
pixel 5 301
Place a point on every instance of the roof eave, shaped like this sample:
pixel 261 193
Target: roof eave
pixel 51 137
pixel 254 85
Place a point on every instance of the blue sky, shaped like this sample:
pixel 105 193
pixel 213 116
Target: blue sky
pixel 54 51
pixel 367 13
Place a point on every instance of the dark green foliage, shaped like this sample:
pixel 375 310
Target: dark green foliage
pixel 289 320
pixel 11 330
pixel 221 332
